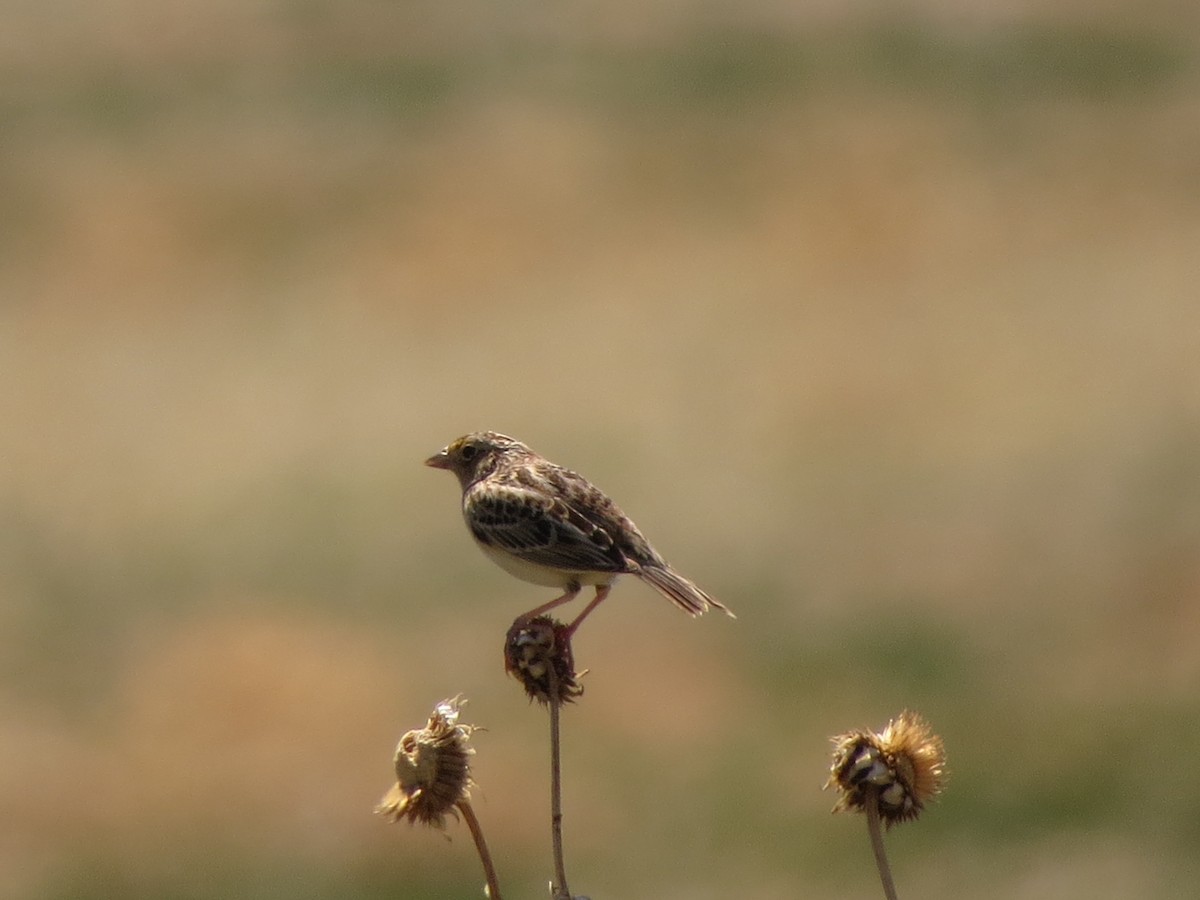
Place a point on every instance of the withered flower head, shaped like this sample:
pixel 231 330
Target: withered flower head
pixel 903 766
pixel 432 769
pixel 538 654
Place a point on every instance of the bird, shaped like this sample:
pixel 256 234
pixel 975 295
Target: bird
pixel 550 526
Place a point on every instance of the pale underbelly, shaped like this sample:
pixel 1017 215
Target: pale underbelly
pixel 543 575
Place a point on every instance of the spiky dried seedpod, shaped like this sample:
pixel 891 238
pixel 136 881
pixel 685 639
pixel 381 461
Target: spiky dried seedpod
pixel 432 769
pixel 903 767
pixel 538 654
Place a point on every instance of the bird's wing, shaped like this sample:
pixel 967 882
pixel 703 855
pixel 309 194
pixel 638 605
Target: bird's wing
pixel 541 529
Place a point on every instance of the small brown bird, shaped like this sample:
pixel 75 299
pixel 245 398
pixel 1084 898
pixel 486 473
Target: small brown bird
pixel 548 525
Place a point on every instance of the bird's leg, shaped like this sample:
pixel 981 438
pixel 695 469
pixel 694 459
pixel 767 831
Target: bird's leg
pixel 601 592
pixel 572 592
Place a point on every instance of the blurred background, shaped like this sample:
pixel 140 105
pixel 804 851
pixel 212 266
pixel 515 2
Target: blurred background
pixel 880 320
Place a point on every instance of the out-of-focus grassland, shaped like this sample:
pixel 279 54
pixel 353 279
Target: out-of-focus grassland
pixel 885 330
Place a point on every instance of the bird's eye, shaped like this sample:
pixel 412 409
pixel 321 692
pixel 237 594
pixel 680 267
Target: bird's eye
pixel 468 452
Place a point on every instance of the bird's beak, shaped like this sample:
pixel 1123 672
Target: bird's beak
pixel 440 460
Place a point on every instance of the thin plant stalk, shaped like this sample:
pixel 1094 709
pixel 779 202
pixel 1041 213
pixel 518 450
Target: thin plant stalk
pixel 561 891
pixel 489 870
pixel 876 832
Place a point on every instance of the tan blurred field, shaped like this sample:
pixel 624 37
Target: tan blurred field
pixel 885 328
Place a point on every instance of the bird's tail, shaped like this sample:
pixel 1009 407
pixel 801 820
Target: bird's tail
pixel 680 591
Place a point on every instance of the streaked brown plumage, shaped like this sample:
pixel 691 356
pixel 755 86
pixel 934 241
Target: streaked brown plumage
pixel 550 526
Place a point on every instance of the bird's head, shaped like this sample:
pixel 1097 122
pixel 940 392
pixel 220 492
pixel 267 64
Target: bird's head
pixel 475 456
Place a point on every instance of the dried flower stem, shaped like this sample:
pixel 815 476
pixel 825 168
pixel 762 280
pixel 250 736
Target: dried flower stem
pixel 881 861
pixel 489 870
pixel 560 889
pixel 890 776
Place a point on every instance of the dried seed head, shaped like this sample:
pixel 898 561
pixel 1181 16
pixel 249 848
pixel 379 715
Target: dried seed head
pixel 538 654
pixel 432 769
pixel 903 766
